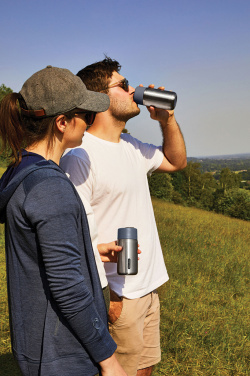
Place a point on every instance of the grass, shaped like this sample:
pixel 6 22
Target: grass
pixel 4 326
pixel 205 305
pixel 8 366
pixel 2 169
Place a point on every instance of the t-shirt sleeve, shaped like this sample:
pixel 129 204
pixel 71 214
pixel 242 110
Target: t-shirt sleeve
pixel 78 169
pixel 151 154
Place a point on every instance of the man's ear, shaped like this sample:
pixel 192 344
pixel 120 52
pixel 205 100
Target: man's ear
pixel 61 123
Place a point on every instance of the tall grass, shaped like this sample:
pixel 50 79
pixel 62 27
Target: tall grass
pixel 4 325
pixel 2 169
pixel 204 306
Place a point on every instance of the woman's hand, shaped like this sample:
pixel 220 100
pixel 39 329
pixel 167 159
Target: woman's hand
pixel 109 251
pixel 111 367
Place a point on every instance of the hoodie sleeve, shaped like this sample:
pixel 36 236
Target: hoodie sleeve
pixel 54 212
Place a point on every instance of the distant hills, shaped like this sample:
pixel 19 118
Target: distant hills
pixel 235 162
pixel 226 156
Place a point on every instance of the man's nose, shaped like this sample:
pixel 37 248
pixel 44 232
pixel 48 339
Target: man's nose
pixel 131 89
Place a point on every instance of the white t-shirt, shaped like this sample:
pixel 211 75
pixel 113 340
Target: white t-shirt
pixel 112 177
pixel 94 240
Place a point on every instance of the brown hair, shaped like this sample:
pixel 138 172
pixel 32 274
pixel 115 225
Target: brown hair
pixel 18 131
pixel 96 76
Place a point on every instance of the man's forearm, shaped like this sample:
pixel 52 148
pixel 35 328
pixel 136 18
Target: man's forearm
pixel 173 143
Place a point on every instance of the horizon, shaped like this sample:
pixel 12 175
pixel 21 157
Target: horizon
pixel 223 156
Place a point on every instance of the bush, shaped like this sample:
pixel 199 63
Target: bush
pixel 234 202
pixel 239 207
pixel 206 199
pixel 160 186
pixel 177 198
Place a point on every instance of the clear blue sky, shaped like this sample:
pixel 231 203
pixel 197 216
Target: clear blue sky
pixel 198 48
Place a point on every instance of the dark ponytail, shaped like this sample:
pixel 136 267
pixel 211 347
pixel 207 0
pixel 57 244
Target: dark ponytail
pixel 11 129
pixel 18 131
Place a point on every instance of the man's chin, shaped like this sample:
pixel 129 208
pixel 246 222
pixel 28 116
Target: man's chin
pixel 136 112
pixel 133 114
pixel 127 116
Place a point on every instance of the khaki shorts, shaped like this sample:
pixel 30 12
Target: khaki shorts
pixel 136 331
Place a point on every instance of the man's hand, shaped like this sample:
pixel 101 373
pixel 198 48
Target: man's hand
pixel 174 150
pixel 163 116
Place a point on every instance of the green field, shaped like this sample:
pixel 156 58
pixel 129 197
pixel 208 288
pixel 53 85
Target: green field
pixel 204 307
pixel 2 169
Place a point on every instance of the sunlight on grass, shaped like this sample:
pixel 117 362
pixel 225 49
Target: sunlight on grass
pixel 4 323
pixel 8 366
pixel 205 305
pixel 2 169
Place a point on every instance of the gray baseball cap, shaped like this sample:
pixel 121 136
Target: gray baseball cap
pixel 52 91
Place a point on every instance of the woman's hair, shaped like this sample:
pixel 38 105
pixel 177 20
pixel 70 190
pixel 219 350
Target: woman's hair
pixel 18 131
pixel 96 76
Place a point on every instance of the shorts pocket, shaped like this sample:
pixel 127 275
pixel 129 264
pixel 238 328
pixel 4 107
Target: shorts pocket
pixel 115 308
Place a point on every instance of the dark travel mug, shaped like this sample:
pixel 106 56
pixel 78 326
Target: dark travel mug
pixel 128 257
pixel 163 99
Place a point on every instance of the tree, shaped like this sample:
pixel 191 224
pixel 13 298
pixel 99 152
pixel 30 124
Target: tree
pixel 177 198
pixel 229 179
pixel 208 181
pixel 206 200
pixel 177 181
pixel 239 207
pixel 4 91
pixel 160 186
pixel 192 184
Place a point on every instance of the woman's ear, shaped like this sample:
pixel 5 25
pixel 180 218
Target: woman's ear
pixel 61 123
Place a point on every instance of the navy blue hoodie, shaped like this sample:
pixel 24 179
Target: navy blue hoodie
pixel 57 310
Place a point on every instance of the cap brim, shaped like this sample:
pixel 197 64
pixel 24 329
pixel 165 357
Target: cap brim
pixel 96 102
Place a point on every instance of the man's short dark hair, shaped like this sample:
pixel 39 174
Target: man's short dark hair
pixel 97 76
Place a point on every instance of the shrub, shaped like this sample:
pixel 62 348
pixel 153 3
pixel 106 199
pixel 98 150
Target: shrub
pixel 160 186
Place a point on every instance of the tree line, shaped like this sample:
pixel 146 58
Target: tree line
pixel 225 194
pixel 4 90
pixel 238 162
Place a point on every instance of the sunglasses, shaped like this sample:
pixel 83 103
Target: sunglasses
pixel 88 116
pixel 124 84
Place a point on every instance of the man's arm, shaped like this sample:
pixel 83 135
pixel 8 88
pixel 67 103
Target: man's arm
pixel 173 147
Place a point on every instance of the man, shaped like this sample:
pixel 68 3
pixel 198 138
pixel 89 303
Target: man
pixel 110 171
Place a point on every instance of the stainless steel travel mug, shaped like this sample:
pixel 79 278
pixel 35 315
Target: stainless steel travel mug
pixel 163 99
pixel 128 257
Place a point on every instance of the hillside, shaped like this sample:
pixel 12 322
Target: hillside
pixel 205 304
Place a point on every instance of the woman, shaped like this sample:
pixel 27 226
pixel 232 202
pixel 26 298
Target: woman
pixel 57 310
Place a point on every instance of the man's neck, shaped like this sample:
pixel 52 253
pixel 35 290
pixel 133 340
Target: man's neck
pixel 107 129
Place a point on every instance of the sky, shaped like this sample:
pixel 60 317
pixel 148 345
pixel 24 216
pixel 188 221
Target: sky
pixel 198 48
